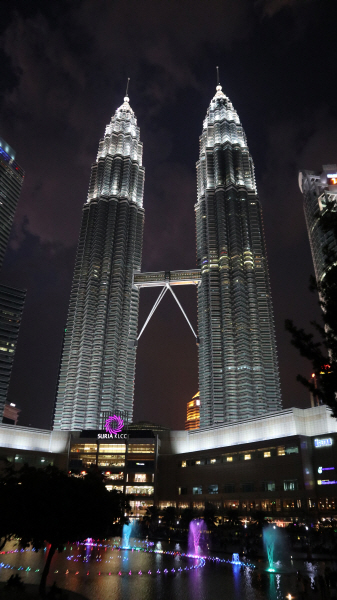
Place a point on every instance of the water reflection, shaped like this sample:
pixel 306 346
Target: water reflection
pixel 104 572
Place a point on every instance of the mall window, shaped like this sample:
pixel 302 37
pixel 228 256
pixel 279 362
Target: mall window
pixel 117 488
pixel 145 490
pixel 141 448
pixel 229 488
pixel 86 460
pixel 84 448
pixel 268 486
pixel 267 454
pixel 112 448
pixel 229 459
pixel 114 476
pixel 183 463
pixel 247 456
pixel 247 487
pixel 182 491
pixel 197 490
pixel 292 450
pixel 281 451
pixel 213 489
pixel 111 461
pixel 290 484
pixel 140 477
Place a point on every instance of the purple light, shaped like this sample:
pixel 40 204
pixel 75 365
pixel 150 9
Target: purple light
pixel 328 482
pixel 328 468
pixel 117 422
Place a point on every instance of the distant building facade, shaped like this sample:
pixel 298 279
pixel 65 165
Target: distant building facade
pixel 319 189
pixel 11 180
pixel 11 414
pixel 193 413
pixel 11 308
pixel 99 351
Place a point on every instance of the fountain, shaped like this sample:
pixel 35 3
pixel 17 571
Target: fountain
pixel 271 537
pixel 236 559
pixel 196 532
pixel 127 529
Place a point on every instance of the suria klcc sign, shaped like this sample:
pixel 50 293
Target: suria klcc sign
pixel 113 427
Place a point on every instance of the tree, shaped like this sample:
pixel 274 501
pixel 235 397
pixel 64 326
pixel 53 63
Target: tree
pixel 46 507
pixel 322 353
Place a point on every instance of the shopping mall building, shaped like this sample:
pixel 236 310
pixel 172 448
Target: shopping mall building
pixel 285 463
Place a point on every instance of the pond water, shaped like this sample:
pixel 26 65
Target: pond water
pixel 157 572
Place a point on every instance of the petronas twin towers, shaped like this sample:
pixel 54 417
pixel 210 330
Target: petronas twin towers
pixel 238 370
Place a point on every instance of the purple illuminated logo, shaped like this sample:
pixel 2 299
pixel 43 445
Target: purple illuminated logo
pixel 114 424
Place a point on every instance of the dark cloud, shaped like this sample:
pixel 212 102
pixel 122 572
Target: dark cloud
pixel 64 67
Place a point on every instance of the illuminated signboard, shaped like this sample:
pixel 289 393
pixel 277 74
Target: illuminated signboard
pixel 113 428
pixel 325 482
pixel 321 469
pixel 332 178
pixel 323 442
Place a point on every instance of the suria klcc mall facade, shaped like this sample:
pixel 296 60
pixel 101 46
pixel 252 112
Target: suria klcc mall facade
pixel 248 453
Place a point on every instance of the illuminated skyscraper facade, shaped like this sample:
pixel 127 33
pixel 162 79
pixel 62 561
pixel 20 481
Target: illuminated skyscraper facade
pixel 319 190
pixel 238 367
pixel 11 180
pixel 193 413
pixel 99 352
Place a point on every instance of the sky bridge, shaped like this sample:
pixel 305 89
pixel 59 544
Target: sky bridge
pixel 162 278
pixel 165 280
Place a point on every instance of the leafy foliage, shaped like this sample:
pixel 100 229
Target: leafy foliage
pixel 323 353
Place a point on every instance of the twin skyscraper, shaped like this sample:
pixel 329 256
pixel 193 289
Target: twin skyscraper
pixel 238 369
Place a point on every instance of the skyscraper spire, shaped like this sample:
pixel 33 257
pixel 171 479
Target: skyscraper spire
pixel 98 361
pixel 238 370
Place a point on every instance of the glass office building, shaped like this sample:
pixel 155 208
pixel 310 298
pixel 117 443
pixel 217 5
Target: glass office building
pixel 319 189
pixel 99 351
pixel 11 308
pixel 11 180
pixel 238 366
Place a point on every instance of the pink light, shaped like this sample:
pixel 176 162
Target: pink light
pixel 109 424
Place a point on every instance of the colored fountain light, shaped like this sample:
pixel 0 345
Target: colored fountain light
pixel 197 531
pixel 127 529
pixel 271 539
pixel 114 424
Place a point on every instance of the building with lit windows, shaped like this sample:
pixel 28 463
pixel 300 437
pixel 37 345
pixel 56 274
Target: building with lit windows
pixel 11 180
pixel 193 413
pixel 128 462
pixel 238 366
pixel 99 351
pixel 11 308
pixel 319 189
pixel 283 464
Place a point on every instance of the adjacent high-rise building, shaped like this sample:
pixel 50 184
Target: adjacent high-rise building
pixel 319 189
pixel 99 352
pixel 11 180
pixel 11 308
pixel 11 300
pixel 238 366
pixel 193 413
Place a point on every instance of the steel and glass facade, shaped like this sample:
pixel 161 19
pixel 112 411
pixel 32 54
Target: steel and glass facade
pixel 319 189
pixel 238 367
pixel 11 180
pixel 99 352
pixel 11 308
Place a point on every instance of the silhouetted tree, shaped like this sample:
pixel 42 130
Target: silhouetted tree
pixel 322 353
pixel 46 507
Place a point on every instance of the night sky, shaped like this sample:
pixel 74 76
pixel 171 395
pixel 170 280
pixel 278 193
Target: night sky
pixel 63 72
